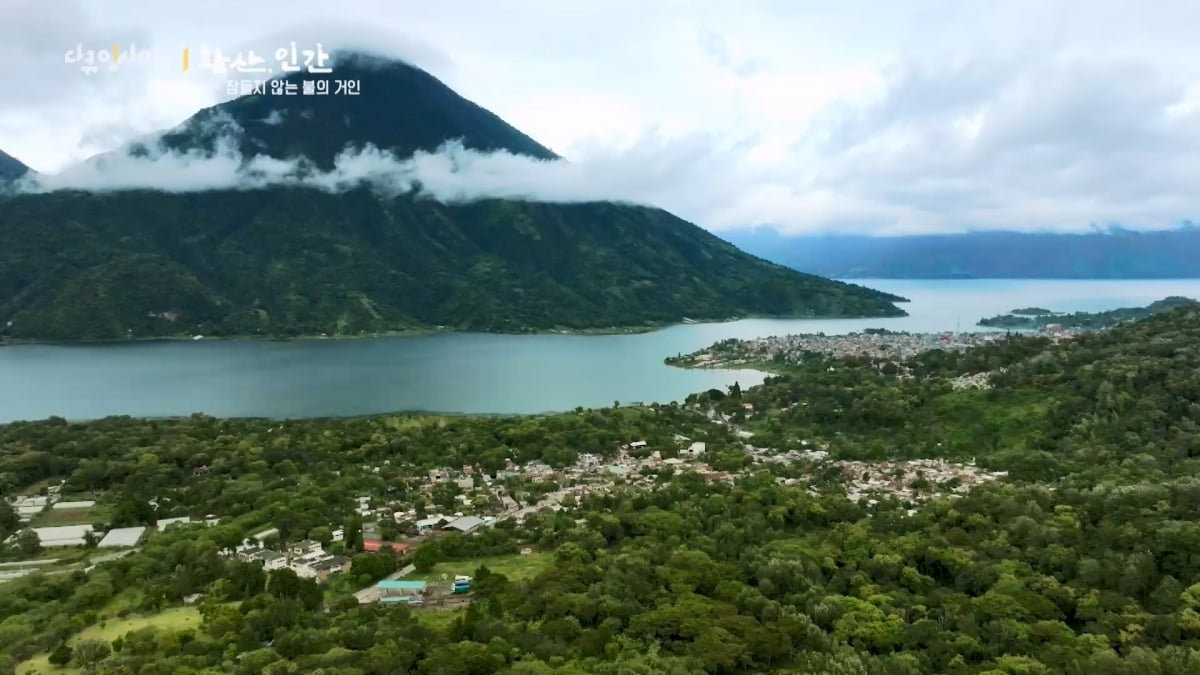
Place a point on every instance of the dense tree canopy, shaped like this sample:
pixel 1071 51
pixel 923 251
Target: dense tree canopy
pixel 1086 561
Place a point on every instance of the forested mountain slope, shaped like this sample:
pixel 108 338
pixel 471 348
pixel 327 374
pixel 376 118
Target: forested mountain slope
pixel 282 260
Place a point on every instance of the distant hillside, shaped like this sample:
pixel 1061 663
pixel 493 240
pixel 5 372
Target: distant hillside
pixel 1113 254
pixel 1033 318
pixel 288 261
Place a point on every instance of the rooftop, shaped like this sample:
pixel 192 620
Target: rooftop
pixel 73 505
pixel 62 535
pixel 122 536
pixel 465 524
pixel 400 585
pixel 167 522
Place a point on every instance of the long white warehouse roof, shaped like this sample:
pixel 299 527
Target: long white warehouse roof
pixel 62 535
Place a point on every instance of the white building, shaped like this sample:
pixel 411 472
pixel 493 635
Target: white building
pixel 466 524
pixel 426 524
pixel 122 537
pixel 63 535
pixel 167 522
pixel 28 507
pixel 60 506
pixel 260 537
pixel 305 548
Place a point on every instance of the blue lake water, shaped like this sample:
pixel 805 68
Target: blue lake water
pixel 472 372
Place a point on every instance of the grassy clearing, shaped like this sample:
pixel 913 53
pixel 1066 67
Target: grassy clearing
pixel 437 618
pixel 515 567
pixel 174 619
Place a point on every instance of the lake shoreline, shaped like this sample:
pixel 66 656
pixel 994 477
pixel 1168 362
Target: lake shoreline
pixel 424 332
pixel 470 374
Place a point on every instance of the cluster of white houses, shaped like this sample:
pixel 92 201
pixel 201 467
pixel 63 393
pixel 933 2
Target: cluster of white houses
pixel 307 559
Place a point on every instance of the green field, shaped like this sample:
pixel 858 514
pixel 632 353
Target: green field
pixel 176 618
pixel 514 566
pixel 54 517
pixel 437 618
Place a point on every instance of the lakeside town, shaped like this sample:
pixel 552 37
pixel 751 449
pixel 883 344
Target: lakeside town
pixel 467 500
pixel 784 350
pixel 482 500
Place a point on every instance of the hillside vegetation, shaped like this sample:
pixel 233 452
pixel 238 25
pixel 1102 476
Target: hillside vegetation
pixel 288 261
pixel 1082 562
pixel 298 261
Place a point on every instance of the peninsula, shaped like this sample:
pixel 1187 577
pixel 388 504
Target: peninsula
pixel 783 351
pixel 1037 318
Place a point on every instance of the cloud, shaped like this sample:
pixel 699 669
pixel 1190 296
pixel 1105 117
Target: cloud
pixel 1046 142
pixel 1034 143
pixel 335 34
pixel 847 117
pixel 645 173
pixel 717 50
pixel 33 45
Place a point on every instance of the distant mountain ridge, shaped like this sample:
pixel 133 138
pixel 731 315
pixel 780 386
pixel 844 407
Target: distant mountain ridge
pixel 285 260
pixel 1112 254
pixel 11 167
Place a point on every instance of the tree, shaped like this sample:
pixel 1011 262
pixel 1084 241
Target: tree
pixel 61 655
pixel 354 535
pixel 131 511
pixel 283 583
pixel 9 520
pixel 426 556
pixel 89 653
pixel 29 542
pixel 321 533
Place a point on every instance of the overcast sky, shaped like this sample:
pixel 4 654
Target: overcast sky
pixel 883 117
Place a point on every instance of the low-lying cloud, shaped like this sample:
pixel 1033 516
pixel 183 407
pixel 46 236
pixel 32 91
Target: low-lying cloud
pixel 649 172
pixel 1037 143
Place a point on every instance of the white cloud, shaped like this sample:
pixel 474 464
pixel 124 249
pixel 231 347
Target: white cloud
pixel 644 173
pixel 853 116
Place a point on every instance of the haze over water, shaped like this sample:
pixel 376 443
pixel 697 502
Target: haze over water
pixel 473 372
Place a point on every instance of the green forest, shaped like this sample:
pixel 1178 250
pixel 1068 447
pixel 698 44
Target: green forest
pixel 290 261
pixel 1084 560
